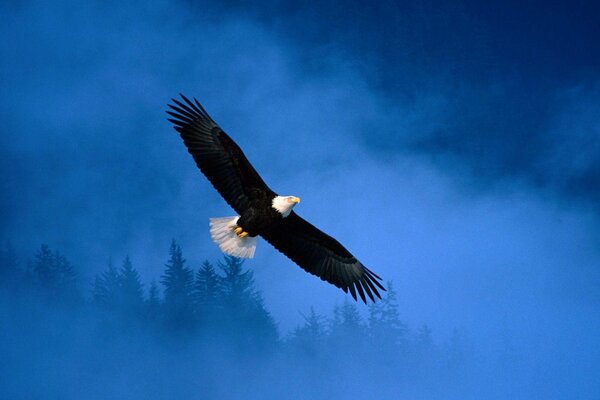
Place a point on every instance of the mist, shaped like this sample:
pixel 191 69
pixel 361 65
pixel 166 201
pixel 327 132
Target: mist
pixel 453 150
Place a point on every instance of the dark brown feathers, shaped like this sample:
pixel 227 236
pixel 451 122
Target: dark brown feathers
pixel 217 156
pixel 321 255
pixel 230 172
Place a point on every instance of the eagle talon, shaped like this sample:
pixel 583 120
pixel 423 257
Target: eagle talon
pixel 240 232
pixel 235 179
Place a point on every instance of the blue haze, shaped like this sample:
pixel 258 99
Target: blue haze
pixel 454 149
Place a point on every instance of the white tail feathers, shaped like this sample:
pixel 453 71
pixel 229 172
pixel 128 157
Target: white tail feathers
pixel 223 234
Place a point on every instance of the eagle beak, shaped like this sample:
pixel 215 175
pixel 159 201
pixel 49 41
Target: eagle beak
pixel 294 200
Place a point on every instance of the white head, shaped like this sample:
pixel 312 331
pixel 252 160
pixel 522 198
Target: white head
pixel 284 204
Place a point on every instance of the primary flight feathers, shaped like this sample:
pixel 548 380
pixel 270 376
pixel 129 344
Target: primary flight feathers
pixel 262 212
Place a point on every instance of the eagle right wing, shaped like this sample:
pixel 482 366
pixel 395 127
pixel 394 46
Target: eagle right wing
pixel 219 158
pixel 319 254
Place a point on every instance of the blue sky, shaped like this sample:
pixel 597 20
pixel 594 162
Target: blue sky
pixel 454 148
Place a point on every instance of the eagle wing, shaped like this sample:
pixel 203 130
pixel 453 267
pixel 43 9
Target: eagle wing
pixel 323 256
pixel 216 154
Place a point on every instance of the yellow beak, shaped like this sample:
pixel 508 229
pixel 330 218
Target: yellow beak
pixel 294 200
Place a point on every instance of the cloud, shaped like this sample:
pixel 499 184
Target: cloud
pixel 96 171
pixel 475 88
pixel 458 192
pixel 571 160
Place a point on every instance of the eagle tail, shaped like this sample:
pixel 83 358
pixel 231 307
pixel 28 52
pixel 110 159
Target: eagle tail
pixel 222 231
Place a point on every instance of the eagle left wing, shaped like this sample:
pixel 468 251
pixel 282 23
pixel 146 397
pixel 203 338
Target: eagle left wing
pixel 321 255
pixel 218 157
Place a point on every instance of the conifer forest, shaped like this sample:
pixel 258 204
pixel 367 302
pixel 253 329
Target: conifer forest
pixel 198 329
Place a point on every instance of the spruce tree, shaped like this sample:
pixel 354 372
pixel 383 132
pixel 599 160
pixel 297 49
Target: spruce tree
pixel 54 275
pixel 384 320
pixel 237 285
pixel 66 282
pixel 312 333
pixel 130 288
pixel 43 266
pixel 346 318
pixel 347 327
pixel 244 305
pixel 208 291
pixel 106 292
pixel 261 323
pixel 178 282
pixel 314 324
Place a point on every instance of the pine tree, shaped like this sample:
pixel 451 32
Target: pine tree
pixel 238 286
pixel 208 290
pixel 314 324
pixel 66 282
pixel 130 288
pixel 244 305
pixel 384 320
pixel 346 328
pixel 106 292
pixel 312 333
pixel 346 318
pixel 261 323
pixel 43 267
pixel 55 275
pixel 178 282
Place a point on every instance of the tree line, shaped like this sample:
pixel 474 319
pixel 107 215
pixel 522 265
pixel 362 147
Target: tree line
pixel 222 300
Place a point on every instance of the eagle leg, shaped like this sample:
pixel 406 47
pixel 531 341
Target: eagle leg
pixel 240 232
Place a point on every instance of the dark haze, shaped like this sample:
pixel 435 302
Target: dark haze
pixel 453 148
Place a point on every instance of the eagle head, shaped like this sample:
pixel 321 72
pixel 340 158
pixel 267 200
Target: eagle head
pixel 284 204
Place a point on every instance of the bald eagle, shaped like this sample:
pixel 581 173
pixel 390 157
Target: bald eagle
pixel 262 212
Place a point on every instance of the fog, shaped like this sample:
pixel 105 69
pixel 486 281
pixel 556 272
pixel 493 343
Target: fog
pixel 453 153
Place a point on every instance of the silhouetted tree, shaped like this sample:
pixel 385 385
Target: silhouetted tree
pixel 310 335
pixel 208 291
pixel 237 285
pixel 260 321
pixel 67 282
pixel 106 289
pixel 131 291
pixel 178 282
pixel 220 308
pixel 347 328
pixel 314 325
pixel 244 305
pixel 44 266
pixel 55 275
pixel 346 318
pixel 384 320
